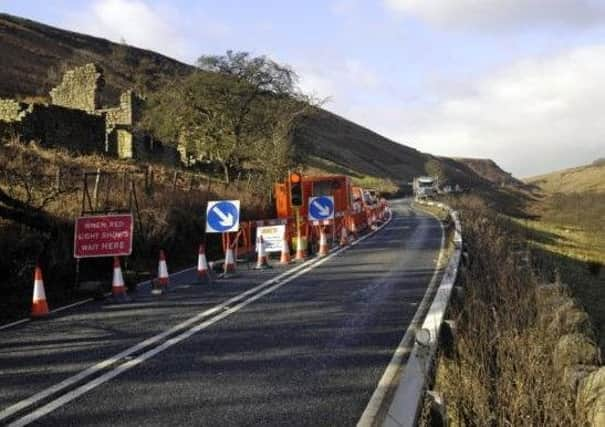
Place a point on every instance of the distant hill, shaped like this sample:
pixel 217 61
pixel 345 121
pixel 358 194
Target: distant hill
pixel 489 170
pixel 589 178
pixel 344 144
pixel 33 57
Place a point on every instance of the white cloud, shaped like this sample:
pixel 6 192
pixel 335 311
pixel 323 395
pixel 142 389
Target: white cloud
pixel 134 21
pixel 360 74
pixel 338 79
pixel 157 26
pixel 533 116
pixel 499 14
pixel 315 82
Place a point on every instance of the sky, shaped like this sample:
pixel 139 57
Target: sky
pixel 519 81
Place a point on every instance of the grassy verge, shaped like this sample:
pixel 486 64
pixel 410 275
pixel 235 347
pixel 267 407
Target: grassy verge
pixel 577 256
pixel 500 370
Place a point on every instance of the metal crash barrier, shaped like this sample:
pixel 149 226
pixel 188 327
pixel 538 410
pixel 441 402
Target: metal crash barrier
pixel 406 404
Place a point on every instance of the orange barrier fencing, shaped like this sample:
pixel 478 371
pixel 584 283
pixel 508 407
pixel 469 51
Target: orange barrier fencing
pixel 243 242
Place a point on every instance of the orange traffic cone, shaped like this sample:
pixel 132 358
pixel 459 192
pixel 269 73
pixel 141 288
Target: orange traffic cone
pixel 118 290
pixel 202 264
pixel 262 262
pixel 353 228
pixel 39 304
pixel 300 250
pixel 163 270
pixel 323 243
pixel 229 261
pixel 344 236
pixel 285 250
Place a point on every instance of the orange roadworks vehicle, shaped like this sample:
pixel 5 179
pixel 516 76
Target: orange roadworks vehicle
pixel 293 195
pixel 337 186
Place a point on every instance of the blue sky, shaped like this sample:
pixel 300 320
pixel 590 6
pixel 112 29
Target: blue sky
pixel 518 81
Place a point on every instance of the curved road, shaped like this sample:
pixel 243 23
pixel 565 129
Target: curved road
pixel 307 349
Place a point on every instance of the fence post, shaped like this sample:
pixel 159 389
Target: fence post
pixel 58 179
pixel 95 192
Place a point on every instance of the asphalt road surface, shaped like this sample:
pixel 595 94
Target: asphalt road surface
pixel 306 346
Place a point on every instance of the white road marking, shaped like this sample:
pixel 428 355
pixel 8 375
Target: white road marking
pixel 150 341
pixel 10 325
pixel 56 310
pixel 75 304
pixel 51 406
pixel 84 301
pixel 372 410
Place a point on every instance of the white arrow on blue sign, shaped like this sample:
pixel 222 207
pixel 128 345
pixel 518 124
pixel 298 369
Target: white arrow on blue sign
pixel 321 207
pixel 222 216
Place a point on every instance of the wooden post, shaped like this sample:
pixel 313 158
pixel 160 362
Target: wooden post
pixel 176 177
pixel 95 192
pixel 58 179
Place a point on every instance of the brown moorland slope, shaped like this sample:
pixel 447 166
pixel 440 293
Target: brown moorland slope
pixel 488 169
pixel 33 57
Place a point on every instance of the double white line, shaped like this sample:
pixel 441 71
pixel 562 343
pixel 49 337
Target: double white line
pixel 186 329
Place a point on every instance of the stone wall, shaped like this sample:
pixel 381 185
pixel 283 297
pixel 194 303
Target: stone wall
pixel 64 127
pixel 12 111
pixel 80 88
pixel 119 123
pixel 127 113
pixel 54 126
pixel 126 144
pixel 75 121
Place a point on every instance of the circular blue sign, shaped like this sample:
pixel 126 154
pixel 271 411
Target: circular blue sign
pixel 222 217
pixel 321 208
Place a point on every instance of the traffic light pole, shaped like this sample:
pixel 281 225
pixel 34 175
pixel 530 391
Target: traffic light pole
pixel 298 233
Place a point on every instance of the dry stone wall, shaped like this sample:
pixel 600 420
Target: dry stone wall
pixel 576 353
pixel 75 121
pixel 54 126
pixel 11 110
pixel 80 88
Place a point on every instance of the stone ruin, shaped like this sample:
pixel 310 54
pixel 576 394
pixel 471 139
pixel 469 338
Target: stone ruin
pixel 80 89
pixel 75 120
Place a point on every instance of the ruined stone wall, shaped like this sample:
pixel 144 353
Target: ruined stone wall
pixel 80 88
pixel 54 126
pixel 12 111
pixel 126 144
pixel 75 121
pixel 119 125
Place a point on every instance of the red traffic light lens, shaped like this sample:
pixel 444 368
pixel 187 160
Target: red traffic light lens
pixel 295 178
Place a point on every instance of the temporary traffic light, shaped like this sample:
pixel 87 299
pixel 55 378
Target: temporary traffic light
pixel 296 192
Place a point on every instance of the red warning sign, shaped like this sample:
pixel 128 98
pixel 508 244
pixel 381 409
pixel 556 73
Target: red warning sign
pixel 103 236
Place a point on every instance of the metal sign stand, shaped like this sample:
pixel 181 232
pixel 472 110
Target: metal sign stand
pixel 90 202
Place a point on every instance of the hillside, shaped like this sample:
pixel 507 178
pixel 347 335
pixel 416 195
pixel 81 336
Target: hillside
pixel 33 57
pixel 489 170
pixel 575 180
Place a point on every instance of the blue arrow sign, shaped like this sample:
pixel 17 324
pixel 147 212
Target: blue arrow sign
pixel 222 216
pixel 321 208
